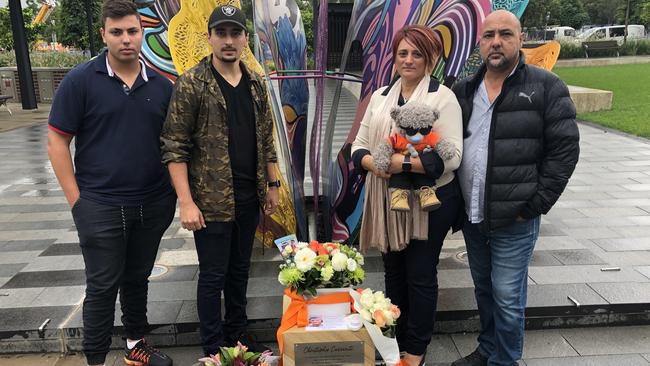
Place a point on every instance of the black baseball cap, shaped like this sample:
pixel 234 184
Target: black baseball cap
pixel 227 14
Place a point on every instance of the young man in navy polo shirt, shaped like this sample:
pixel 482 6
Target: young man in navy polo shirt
pixel 120 194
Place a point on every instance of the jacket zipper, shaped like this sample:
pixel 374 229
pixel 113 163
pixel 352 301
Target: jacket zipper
pixel 497 102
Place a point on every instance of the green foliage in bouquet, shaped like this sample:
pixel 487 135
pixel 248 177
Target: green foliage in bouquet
pixel 315 265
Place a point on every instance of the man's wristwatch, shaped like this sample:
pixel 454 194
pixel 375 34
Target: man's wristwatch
pixel 274 184
pixel 406 164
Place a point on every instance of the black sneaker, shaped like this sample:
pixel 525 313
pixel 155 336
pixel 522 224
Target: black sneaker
pixel 142 354
pixel 247 340
pixel 473 359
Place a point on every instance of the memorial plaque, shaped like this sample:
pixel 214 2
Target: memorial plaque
pixel 329 353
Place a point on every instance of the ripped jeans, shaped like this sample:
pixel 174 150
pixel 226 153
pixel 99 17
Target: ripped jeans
pixel 119 246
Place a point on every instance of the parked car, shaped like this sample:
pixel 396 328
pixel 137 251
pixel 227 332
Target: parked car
pixel 613 32
pixel 551 33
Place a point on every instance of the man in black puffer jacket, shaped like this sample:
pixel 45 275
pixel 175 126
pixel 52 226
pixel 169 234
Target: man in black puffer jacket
pixel 520 148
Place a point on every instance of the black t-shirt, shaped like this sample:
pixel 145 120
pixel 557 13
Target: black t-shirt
pixel 242 140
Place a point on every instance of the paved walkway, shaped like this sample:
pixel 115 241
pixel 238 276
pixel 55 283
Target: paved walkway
pixel 601 221
pixel 619 346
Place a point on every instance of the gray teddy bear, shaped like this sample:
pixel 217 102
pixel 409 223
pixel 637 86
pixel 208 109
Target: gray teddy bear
pixel 414 134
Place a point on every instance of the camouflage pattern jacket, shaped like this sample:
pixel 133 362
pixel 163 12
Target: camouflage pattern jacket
pixel 196 132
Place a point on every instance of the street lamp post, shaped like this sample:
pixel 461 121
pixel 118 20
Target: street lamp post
pixel 27 92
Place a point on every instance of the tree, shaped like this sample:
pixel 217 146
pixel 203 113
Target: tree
pixel 72 28
pixel 6 34
pixel 636 11
pixel 601 11
pixel 535 14
pixel 645 14
pixel 570 13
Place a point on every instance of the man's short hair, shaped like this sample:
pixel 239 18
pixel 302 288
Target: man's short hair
pixel 116 9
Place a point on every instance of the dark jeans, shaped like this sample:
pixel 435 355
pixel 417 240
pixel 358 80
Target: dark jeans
pixel 498 260
pixel 224 250
pixel 119 246
pixel 412 278
pixel 410 180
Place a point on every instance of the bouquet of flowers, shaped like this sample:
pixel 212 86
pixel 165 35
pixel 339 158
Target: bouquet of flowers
pixel 238 356
pixel 378 315
pixel 377 309
pixel 313 265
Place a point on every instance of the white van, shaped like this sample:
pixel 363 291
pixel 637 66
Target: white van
pixel 562 34
pixel 613 32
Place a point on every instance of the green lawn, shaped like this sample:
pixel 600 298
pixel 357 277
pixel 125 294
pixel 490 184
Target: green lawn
pixel 631 86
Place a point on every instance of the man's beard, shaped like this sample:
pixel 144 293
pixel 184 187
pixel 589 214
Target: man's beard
pixel 227 59
pixel 502 64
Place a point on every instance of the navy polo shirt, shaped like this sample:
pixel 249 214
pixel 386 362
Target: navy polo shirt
pixel 117 130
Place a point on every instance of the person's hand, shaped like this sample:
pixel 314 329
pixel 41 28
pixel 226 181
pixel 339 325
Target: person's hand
pixel 72 200
pixel 368 163
pixel 396 161
pixel 272 200
pixel 191 217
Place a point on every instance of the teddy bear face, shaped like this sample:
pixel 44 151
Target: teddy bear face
pixel 414 120
pixel 415 135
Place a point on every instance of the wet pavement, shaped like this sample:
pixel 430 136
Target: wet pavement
pixel 601 222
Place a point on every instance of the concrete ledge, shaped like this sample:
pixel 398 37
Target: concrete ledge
pixel 605 61
pixel 590 100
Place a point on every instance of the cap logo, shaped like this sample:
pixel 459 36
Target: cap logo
pixel 229 10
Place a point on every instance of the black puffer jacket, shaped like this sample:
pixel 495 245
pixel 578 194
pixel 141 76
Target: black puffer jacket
pixel 533 147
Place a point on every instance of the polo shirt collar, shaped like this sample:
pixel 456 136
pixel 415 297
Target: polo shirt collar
pixel 104 66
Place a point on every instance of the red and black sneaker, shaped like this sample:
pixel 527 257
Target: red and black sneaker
pixel 142 354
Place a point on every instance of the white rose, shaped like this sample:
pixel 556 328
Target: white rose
pixel 339 262
pixel 367 300
pixel 360 259
pixel 352 265
pixel 379 297
pixel 305 259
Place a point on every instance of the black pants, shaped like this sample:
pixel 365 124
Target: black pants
pixel 119 247
pixel 410 180
pixel 224 250
pixel 412 278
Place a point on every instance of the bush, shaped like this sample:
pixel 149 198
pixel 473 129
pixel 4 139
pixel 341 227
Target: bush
pixel 45 59
pixel 571 50
pixel 643 47
pixel 628 49
pixel 631 48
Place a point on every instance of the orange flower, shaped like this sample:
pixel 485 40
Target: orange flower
pixel 395 310
pixel 380 320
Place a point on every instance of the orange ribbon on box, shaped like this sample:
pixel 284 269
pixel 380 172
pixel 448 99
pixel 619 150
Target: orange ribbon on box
pixel 296 313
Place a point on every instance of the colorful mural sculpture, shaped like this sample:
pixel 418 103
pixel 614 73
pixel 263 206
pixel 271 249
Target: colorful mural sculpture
pixel 279 26
pixel 155 47
pixel 374 23
pixel 544 56
pixel 176 40
pixel 280 30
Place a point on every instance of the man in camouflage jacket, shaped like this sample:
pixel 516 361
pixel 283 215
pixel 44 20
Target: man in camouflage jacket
pixel 217 142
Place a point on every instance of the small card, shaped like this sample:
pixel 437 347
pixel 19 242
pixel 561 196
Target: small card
pixel 326 322
pixel 284 241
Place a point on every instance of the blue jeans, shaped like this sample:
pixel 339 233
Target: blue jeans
pixel 498 260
